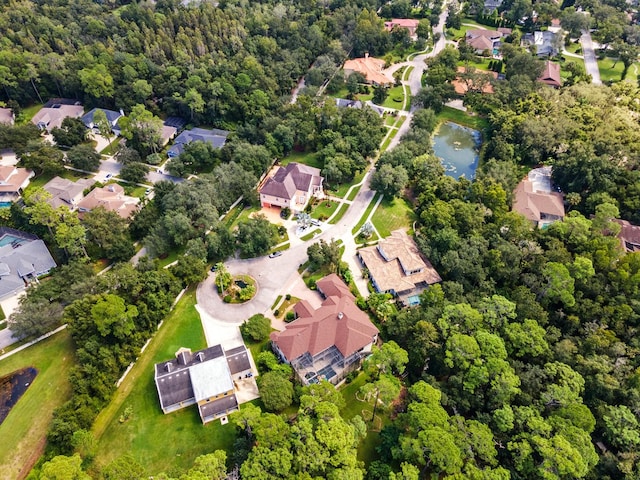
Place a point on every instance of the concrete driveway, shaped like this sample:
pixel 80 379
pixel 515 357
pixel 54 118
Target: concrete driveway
pixel 590 62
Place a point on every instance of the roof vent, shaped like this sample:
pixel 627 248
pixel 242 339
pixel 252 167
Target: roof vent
pixel 340 315
pixel 167 366
pixel 200 356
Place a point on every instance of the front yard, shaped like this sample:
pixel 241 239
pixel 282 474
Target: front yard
pixel 160 443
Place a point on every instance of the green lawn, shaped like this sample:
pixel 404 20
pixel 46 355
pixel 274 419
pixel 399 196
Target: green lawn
pixel 111 148
pixel 307 158
pixel 392 215
pixel 172 257
pixel 311 234
pixel 367 448
pixel 159 442
pixel 365 215
pixel 395 98
pixel 480 63
pixel 324 209
pixel 574 47
pixel 2 315
pixel 611 71
pixel 343 188
pixel 23 431
pixel 29 112
pixel 449 114
pixel 354 193
pixel 343 209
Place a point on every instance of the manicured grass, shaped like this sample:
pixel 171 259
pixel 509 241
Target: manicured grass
pixel 395 98
pixel 389 121
pixel 365 215
pixel 574 47
pixel 611 71
pixel 392 215
pixel 343 209
pixel 23 432
pixel 2 315
pixel 159 442
pixel 133 190
pixel 354 193
pixel 449 114
pixel 29 112
pixel 172 257
pixel 311 234
pixel 233 214
pixel 282 247
pixel 480 63
pixel 244 215
pixel 275 304
pixel 324 209
pixel 285 307
pixel 111 148
pixel 344 188
pixel 307 158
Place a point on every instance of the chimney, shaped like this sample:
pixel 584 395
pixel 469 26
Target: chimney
pixel 167 367
pixel 366 54
pixel 200 357
pixel 340 315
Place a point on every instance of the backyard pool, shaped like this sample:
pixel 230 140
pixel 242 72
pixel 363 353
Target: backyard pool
pixel 5 204
pixel 8 238
pixel 457 148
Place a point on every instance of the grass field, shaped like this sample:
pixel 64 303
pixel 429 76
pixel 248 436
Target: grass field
pixel 343 209
pixel 29 112
pixel 159 442
pixel 23 431
pixel 324 209
pixel 395 98
pixel 449 114
pixel 365 215
pixel 611 71
pixel 392 215
pixel 306 158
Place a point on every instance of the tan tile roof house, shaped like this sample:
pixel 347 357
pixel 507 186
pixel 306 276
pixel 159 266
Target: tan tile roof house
pixel 371 68
pixel 328 342
pixel 629 236
pixel 205 378
pixel 408 23
pixel 551 74
pixel 396 266
pixel 482 40
pixel 13 181
pixel 291 186
pixel 66 193
pixel 111 197
pixel 535 199
pixel 462 86
pixel 55 111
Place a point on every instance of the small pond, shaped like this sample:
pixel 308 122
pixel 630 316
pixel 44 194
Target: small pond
pixel 241 283
pixel 457 148
pixel 12 387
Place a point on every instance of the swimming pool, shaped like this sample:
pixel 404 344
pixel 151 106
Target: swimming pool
pixel 414 300
pixel 8 238
pixel 5 204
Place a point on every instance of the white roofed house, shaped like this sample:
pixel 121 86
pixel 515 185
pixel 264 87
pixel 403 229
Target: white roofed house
pixel 205 378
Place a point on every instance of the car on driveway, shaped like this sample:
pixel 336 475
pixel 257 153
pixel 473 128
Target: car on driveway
pixel 108 176
pixel 275 254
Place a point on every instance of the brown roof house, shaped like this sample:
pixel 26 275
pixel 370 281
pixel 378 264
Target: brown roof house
pixel 65 193
pixel 551 75
pixel 55 111
pixel 484 40
pixel 206 378
pixel 629 236
pixel 370 68
pixel 7 116
pixel 535 198
pixel 13 181
pixel 408 23
pixel 479 82
pixel 396 266
pixel 329 342
pixel 291 186
pixel 111 197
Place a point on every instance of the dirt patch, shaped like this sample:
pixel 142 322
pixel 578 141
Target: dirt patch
pixel 12 387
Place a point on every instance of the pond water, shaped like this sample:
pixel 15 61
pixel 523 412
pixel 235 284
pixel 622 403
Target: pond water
pixel 241 283
pixel 12 387
pixel 457 148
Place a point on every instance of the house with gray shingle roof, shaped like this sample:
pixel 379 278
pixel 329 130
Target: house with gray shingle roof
pixel 291 186
pixel 23 258
pixel 112 118
pixel 217 138
pixel 66 193
pixel 206 378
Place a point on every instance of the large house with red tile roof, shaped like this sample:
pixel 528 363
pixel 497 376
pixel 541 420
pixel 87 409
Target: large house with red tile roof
pixel 370 68
pixel 408 23
pixel 329 342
